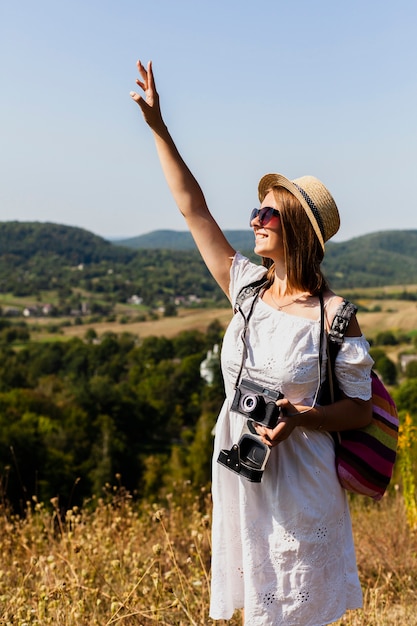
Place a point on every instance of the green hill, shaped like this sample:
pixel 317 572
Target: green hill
pixel 21 241
pixel 182 240
pixel 35 255
pixel 377 259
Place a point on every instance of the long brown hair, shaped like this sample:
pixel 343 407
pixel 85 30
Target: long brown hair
pixel 303 252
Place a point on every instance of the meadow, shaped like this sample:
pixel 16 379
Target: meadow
pixel 380 315
pixel 120 563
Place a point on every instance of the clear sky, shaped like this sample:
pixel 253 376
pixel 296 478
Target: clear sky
pixel 298 87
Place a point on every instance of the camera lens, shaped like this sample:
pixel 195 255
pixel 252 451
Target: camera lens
pixel 248 403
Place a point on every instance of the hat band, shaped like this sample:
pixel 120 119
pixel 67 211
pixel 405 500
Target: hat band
pixel 313 208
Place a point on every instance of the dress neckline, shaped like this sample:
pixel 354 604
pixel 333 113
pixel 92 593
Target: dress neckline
pixel 288 314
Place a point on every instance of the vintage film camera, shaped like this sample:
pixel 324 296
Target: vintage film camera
pixel 248 457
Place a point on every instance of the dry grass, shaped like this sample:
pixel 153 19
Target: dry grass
pixel 395 315
pixel 120 564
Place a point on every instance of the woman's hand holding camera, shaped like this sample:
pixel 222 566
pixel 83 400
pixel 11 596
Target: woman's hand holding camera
pixel 286 424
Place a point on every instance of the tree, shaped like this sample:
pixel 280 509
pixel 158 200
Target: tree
pixel 387 370
pixel 411 369
pixel 386 338
pixel 406 397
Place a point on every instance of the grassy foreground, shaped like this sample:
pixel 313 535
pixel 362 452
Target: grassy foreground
pixel 117 563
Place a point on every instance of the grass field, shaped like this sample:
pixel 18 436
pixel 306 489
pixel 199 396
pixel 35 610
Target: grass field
pixel 150 565
pixel 395 315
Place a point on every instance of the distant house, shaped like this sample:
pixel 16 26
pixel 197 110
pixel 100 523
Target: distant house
pixel 31 311
pixel 405 359
pixel 11 311
pixel 135 300
pixel 191 299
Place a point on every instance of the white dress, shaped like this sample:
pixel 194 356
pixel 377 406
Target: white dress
pixel 283 548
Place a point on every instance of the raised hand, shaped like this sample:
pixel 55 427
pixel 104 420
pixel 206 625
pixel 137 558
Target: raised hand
pixel 150 103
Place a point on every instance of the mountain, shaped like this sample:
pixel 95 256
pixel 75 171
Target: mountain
pixel 20 241
pixel 43 254
pixel 377 259
pixel 182 240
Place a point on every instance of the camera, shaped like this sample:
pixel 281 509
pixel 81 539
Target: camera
pixel 248 457
pixel 257 403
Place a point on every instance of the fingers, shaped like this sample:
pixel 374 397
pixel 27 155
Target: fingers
pixel 147 81
pixel 150 75
pixel 273 436
pixel 143 84
pixel 135 96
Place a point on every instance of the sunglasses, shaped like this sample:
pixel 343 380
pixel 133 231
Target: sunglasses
pixel 264 215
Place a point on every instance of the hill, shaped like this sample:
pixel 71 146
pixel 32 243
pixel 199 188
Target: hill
pixel 377 259
pixel 182 240
pixel 37 257
pixel 40 256
pixel 21 241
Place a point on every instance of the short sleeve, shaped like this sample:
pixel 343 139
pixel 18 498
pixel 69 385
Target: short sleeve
pixel 243 272
pixel 353 368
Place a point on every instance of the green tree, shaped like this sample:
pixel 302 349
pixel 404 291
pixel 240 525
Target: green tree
pixel 386 338
pixel 405 396
pixel 411 369
pixel 387 370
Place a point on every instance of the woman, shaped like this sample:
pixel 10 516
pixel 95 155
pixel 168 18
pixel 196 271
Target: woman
pixel 282 548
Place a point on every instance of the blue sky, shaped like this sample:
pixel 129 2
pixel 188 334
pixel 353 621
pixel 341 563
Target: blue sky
pixel 298 87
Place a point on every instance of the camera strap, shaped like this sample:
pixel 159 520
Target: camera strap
pixel 254 289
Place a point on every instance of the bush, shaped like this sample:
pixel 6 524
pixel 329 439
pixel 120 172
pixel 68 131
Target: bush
pixel 386 338
pixel 387 370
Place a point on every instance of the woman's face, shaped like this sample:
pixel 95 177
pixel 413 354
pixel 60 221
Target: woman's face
pixel 268 236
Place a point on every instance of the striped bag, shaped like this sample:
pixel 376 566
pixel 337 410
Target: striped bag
pixel 365 457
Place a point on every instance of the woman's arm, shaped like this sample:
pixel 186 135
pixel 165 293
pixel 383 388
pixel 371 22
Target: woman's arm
pixel 212 244
pixel 345 414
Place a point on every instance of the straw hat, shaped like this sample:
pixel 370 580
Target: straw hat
pixel 316 200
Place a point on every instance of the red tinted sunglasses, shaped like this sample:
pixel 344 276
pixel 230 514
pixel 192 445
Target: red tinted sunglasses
pixel 264 215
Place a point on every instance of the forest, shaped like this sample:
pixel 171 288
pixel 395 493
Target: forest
pixel 74 414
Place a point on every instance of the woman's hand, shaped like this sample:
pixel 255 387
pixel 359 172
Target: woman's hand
pixel 150 103
pixel 286 424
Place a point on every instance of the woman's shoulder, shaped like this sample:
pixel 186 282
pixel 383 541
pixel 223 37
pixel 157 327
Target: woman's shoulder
pixel 332 303
pixel 243 272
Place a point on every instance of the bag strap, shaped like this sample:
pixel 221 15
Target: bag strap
pixel 335 338
pixel 341 321
pixel 339 326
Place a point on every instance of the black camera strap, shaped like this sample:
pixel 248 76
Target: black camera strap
pixel 254 289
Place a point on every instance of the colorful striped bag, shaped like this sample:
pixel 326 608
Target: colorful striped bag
pixel 365 457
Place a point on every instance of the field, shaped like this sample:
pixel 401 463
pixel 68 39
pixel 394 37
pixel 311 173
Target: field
pixel 395 315
pixel 150 565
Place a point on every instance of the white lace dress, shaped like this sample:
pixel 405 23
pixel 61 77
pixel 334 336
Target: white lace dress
pixel 283 548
